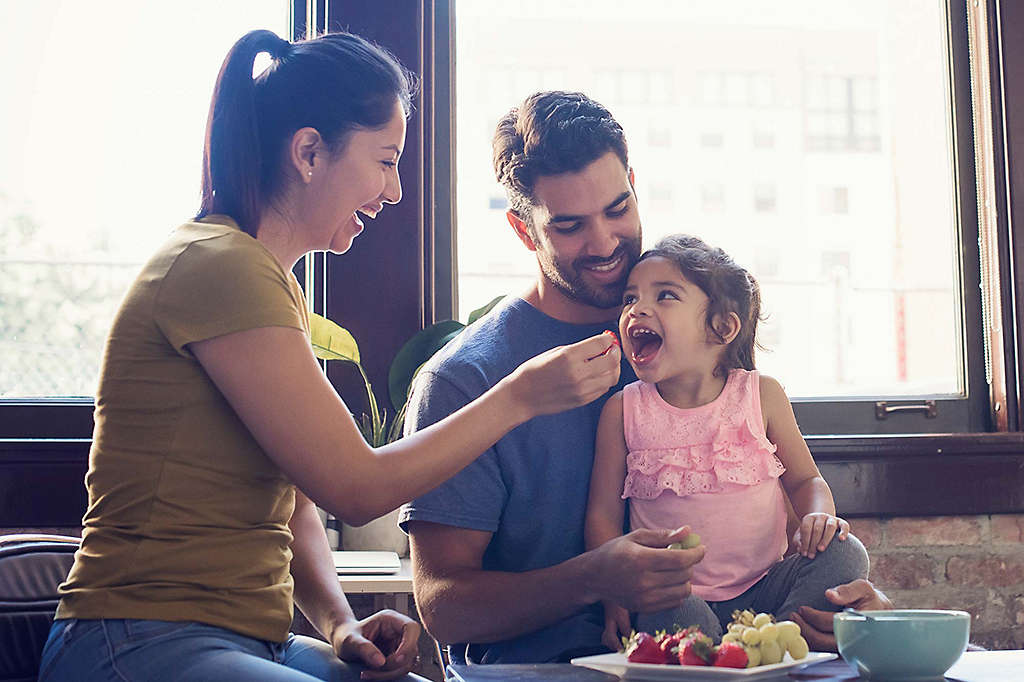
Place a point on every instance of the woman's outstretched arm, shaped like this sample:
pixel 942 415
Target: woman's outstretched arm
pixel 273 382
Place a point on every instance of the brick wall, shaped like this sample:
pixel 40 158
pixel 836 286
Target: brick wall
pixel 974 563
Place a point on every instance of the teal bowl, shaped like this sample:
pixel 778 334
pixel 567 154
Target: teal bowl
pixel 904 645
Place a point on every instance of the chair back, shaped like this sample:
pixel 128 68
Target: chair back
pixel 31 568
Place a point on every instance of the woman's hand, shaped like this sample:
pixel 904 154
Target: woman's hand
pixel 816 531
pixel 616 625
pixel 567 376
pixel 386 642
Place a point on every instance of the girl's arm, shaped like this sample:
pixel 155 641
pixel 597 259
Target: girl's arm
pixel 807 490
pixel 605 507
pixel 271 379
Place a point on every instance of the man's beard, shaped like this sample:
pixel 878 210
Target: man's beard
pixel 571 281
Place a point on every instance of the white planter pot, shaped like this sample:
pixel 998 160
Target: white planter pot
pixel 380 534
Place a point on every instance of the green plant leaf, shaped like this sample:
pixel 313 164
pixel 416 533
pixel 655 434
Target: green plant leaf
pixel 397 425
pixel 414 353
pixel 330 341
pixel 480 312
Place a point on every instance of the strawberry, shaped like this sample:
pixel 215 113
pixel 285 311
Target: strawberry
pixel 615 342
pixel 730 655
pixel 696 650
pixel 642 647
pixel 669 643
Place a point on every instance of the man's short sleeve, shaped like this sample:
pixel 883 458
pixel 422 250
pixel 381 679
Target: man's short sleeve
pixel 475 497
pixel 223 285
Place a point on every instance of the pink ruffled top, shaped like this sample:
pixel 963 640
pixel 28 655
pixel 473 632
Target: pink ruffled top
pixel 713 468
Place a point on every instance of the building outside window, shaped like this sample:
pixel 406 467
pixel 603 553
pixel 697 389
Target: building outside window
pixel 855 98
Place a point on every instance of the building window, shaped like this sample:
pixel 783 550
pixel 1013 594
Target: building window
pixel 712 140
pixel 712 198
pixel 834 200
pixel 659 137
pixel 766 263
pixel 661 191
pixel 740 89
pixel 763 139
pixel 765 198
pixel 842 113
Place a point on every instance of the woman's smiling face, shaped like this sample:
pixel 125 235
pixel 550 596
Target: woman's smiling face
pixel 360 180
pixel 663 324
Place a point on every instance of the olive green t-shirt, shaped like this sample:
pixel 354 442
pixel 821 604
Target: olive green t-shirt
pixel 187 517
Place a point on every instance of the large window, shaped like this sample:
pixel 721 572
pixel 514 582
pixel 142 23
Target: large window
pixel 102 131
pixel 746 120
pixel 814 142
pixel 828 147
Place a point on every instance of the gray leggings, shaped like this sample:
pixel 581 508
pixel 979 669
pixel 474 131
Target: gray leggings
pixel 793 582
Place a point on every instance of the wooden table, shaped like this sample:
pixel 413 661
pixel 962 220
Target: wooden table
pixel 974 666
pixel 390 590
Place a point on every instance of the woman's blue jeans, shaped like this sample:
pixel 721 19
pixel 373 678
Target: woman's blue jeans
pixel 155 650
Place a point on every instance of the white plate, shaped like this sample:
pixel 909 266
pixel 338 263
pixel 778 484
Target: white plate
pixel 616 664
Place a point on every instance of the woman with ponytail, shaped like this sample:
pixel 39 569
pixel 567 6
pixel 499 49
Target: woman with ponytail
pixel 216 432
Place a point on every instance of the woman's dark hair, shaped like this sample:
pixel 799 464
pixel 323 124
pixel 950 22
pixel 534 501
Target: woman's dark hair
pixel 336 83
pixel 729 288
pixel 550 133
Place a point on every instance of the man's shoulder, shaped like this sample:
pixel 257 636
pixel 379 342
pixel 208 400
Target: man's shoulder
pixel 485 350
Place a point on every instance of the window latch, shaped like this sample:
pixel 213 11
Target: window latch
pixel 883 409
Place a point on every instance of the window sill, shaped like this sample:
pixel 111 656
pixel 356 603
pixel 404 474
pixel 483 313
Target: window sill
pixel 923 474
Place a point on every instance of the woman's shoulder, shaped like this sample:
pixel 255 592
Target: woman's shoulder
pixel 215 266
pixel 218 250
pixel 220 239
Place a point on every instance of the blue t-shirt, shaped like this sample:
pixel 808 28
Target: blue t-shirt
pixel 530 489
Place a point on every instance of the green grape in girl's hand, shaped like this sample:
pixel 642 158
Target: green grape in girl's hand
pixel 689 542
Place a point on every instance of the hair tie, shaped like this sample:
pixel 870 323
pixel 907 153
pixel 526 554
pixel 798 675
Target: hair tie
pixel 283 49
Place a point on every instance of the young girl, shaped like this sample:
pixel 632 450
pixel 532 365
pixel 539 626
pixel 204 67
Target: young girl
pixel 703 440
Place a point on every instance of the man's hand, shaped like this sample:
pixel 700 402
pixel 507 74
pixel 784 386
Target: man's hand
pixel 816 626
pixel 386 642
pixel 639 573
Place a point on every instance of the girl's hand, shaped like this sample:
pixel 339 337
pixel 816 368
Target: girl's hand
pixel 816 531
pixel 566 377
pixel 386 642
pixel 616 625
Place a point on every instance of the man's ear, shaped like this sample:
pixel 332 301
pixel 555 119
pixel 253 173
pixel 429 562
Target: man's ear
pixel 306 153
pixel 522 230
pixel 632 179
pixel 727 326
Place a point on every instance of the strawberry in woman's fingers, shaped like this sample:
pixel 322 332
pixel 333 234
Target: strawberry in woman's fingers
pixel 615 342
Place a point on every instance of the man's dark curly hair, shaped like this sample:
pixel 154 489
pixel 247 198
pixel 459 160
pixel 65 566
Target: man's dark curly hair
pixel 550 133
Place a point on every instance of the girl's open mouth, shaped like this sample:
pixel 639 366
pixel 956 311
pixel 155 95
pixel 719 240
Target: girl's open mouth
pixel 644 344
